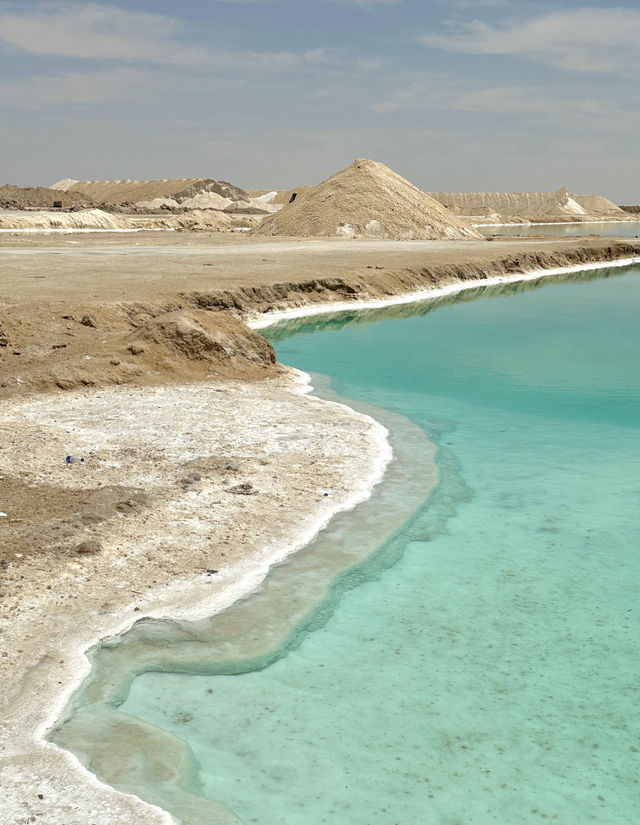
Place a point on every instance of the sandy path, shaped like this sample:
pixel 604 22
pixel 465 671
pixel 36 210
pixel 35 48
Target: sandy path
pixel 157 265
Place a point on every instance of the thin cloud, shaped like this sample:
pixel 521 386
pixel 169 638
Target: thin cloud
pixel 103 32
pixel 90 30
pixel 368 3
pixel 582 40
pixel 42 92
pixel 444 93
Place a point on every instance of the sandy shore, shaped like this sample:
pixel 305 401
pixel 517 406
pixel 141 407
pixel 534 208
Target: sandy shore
pixel 179 478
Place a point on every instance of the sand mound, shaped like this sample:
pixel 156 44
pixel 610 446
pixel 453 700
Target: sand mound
pixel 527 206
pixel 115 192
pixel 38 197
pixel 217 187
pixel 273 199
pixel 97 219
pixel 159 203
pixel 269 200
pixel 200 193
pixel 129 343
pixel 205 200
pixel 198 220
pixel 598 205
pixel 201 336
pixel 85 219
pixel 64 184
pixel 249 208
pixel 266 196
pixel 365 199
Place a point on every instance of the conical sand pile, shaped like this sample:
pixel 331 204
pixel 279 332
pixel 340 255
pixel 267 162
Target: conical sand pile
pixel 366 199
pixel 599 205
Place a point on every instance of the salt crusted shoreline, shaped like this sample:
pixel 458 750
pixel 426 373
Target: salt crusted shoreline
pixel 291 447
pixel 261 321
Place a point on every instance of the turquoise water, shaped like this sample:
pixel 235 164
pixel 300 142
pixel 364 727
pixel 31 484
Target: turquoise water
pixel 482 665
pixel 619 229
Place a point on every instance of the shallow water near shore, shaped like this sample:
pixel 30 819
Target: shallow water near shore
pixel 609 229
pixel 481 664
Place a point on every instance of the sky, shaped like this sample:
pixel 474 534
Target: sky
pixel 455 95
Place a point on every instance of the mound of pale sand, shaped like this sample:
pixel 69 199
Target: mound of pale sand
pixel 263 195
pixel 64 184
pixel 198 220
pixel 181 190
pixel 159 203
pixel 218 187
pixel 249 208
pixel 529 206
pixel 207 221
pixel 130 191
pixel 205 200
pixel 366 199
pixel 598 205
pixel 38 197
pixel 85 219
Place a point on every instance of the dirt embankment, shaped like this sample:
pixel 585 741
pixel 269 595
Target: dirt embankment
pixel 48 348
pixel 376 283
pixel 196 334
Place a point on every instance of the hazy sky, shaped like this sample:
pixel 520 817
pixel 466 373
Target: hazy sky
pixel 455 95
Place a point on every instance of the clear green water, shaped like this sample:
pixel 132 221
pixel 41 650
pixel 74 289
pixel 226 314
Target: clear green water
pixel 485 667
pixel 619 229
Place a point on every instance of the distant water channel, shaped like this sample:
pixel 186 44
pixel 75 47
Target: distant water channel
pixel 481 664
pixel 609 229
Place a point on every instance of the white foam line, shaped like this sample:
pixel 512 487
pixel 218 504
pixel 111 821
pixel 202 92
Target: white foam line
pixel 267 319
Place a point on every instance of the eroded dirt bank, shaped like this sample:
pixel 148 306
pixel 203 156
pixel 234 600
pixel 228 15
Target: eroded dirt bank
pixel 109 312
